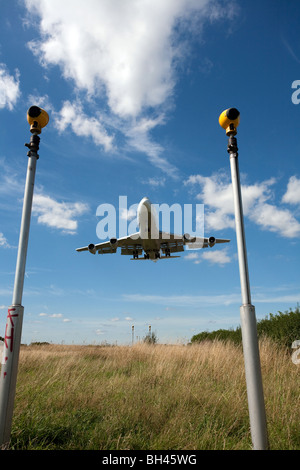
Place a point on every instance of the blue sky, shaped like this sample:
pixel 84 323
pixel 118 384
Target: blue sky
pixel 134 91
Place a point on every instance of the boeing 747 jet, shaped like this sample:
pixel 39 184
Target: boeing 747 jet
pixel 149 240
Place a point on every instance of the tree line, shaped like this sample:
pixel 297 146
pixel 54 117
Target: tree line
pixel 283 327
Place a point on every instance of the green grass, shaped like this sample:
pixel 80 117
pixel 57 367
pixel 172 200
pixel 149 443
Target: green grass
pixel 150 397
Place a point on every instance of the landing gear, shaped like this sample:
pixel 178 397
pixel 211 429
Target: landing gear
pixel 146 256
pixel 135 254
pixel 167 252
pixel 157 255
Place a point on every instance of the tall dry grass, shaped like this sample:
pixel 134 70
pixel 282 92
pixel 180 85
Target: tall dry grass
pixel 150 397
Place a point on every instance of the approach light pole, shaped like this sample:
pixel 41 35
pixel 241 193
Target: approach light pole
pixel 229 120
pixel 37 118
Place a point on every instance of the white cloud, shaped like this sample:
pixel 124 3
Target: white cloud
pixel 212 299
pixel 40 100
pixel 135 131
pixel 155 182
pixel 124 47
pixel 59 215
pixel 118 319
pixel 281 221
pixel 217 257
pixel 195 257
pixel 3 241
pixel 99 332
pixel 217 196
pixel 54 315
pixel 124 56
pixel 128 214
pixel 292 195
pixel 9 88
pixel 184 300
pixel 138 139
pixel 72 115
pixel 10 180
pixel 192 256
pixel 213 256
pixel 217 11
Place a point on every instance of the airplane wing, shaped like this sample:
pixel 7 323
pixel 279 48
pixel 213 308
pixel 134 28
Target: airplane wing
pixel 205 242
pixel 129 245
pixel 173 243
pixel 169 243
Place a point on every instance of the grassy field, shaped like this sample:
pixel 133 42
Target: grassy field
pixel 151 397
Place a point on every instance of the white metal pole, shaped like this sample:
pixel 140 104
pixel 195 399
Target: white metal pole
pixel 24 231
pixel 13 329
pixel 256 405
pixel 240 230
pixel 229 120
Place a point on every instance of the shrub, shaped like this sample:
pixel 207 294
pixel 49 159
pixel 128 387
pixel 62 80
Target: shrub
pixel 150 338
pixel 284 328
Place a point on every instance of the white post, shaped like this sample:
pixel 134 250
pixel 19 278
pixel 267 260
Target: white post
pixel 229 120
pixel 12 340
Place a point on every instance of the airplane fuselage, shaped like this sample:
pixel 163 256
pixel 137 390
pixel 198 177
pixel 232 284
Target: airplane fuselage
pixel 148 229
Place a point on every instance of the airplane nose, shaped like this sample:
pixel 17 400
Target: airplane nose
pixel 146 202
pixel 145 199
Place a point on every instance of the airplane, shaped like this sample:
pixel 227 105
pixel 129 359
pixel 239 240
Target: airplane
pixel 154 243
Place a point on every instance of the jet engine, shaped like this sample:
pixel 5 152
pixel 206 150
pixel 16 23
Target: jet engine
pixel 92 249
pixel 113 242
pixel 187 238
pixel 211 241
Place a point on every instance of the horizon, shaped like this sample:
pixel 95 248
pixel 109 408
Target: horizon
pixel 134 92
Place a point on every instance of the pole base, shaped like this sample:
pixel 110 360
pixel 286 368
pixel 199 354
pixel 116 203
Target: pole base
pixel 255 394
pixel 9 366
